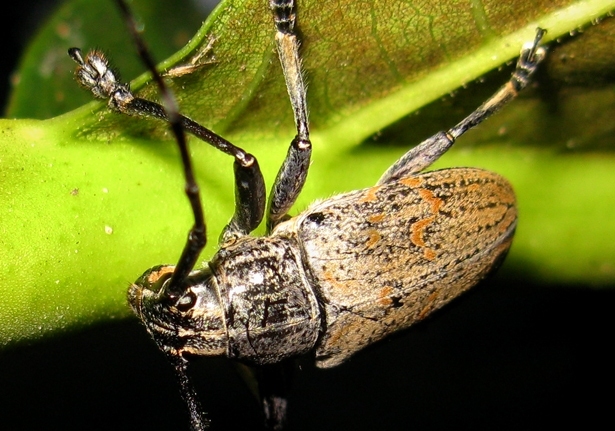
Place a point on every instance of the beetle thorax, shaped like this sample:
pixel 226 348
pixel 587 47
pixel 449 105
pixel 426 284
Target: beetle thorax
pixel 271 310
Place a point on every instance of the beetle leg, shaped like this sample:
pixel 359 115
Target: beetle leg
pixel 430 150
pixel 95 73
pixel 293 172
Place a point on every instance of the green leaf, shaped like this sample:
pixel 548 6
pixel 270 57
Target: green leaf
pixel 91 199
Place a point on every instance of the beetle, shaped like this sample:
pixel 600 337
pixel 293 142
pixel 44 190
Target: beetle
pixel 341 275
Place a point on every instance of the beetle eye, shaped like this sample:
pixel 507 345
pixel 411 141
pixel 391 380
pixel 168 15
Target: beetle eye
pixel 186 302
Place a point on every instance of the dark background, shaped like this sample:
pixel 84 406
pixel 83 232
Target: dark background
pixel 505 356
pixel 509 355
pixel 18 22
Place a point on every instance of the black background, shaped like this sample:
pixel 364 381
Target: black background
pixel 18 22
pixel 502 357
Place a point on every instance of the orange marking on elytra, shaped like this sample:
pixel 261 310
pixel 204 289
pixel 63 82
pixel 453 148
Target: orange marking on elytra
pixel 376 218
pixel 430 301
pixel 473 187
pixel 370 194
pixel 374 238
pixel 416 231
pixel 328 276
pixel 411 182
pixel 429 254
pixel 384 296
pixel 416 236
pixel 435 202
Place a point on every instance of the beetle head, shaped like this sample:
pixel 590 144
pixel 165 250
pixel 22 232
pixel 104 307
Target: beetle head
pixel 192 323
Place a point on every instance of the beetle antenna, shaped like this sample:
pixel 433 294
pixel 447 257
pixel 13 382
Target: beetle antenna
pixel 188 393
pixel 197 235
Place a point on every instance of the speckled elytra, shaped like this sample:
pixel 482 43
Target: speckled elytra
pixel 341 275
